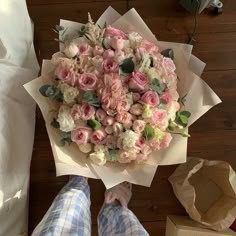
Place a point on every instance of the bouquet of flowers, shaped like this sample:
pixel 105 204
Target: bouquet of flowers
pixel 116 101
pixel 117 94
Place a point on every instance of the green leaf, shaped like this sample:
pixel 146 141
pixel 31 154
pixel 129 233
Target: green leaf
pixel 162 104
pixel 94 124
pixel 59 28
pixel 185 113
pixel 83 31
pixel 127 66
pixel 157 86
pixel 47 90
pixel 66 138
pixel 168 53
pixel 182 118
pixel 149 132
pixel 55 124
pixel 91 98
pixel 113 154
pixel 152 62
pixel 58 96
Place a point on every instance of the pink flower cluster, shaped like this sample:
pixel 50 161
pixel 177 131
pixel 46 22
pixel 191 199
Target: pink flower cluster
pixel 127 112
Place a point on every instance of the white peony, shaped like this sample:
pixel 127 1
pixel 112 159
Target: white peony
pixel 85 148
pixel 71 50
pixel 69 94
pixel 98 158
pixel 129 138
pixel 65 120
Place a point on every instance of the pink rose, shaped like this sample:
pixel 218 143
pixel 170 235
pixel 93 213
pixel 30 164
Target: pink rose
pixel 106 103
pixel 154 145
pixel 165 142
pixel 76 112
pixel 126 157
pixel 123 105
pixel 139 81
pixel 139 53
pixel 124 117
pixel 108 54
pixel 81 135
pixel 98 136
pixel 110 31
pixel 167 98
pixel 98 51
pixel 116 86
pixel 150 98
pixel 108 121
pixel 87 81
pixel 110 66
pixel 136 96
pixel 140 143
pixel 87 111
pixel 136 109
pixel 141 158
pixel 146 150
pixel 117 42
pixel 66 74
pixel 101 114
pixel 150 47
pixel 109 130
pixel 117 128
pixel 159 118
pixel 85 49
pixel 168 65
pixel 138 126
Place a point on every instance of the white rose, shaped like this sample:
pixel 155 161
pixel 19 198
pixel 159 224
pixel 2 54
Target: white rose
pixel 71 50
pixel 85 148
pixel 98 158
pixel 65 120
pixel 70 94
pixel 129 138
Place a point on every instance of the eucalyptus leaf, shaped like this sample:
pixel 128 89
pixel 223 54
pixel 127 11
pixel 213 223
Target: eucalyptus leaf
pixel 113 154
pixel 47 90
pixel 55 124
pixel 157 86
pixel 168 53
pixel 149 132
pixel 127 66
pixel 91 98
pixel 59 28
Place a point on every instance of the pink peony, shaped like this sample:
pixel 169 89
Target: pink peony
pixel 124 117
pixel 76 112
pixel 66 74
pixel 110 66
pixel 136 109
pixel 108 54
pixel 98 51
pixel 117 42
pixel 85 49
pixel 100 114
pixel 138 126
pixel 98 136
pixel 150 98
pixel 139 81
pixel 81 135
pixel 110 31
pixel 87 111
pixel 87 81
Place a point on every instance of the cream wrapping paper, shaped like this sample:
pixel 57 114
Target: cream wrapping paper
pixel 69 160
pixel 207 190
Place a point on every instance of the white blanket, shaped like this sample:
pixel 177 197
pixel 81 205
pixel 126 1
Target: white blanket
pixel 18 65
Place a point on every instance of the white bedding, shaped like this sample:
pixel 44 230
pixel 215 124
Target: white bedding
pixel 18 65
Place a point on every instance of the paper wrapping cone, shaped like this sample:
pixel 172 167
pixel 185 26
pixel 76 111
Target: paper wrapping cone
pixel 200 98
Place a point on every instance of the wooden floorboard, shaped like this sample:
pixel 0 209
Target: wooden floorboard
pixel 213 136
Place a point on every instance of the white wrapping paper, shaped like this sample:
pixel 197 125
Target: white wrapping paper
pixel 200 98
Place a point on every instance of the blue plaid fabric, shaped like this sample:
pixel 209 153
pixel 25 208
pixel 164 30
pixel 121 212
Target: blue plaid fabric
pixel 119 221
pixel 69 215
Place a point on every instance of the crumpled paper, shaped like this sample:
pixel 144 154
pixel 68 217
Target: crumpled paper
pixel 200 98
pixel 207 190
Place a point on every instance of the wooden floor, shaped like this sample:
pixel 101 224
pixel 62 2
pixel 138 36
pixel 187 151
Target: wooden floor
pixel 213 136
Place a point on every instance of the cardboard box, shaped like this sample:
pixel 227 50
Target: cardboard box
pixel 184 226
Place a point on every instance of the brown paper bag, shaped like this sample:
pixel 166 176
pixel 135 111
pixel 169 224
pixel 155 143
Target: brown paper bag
pixel 207 190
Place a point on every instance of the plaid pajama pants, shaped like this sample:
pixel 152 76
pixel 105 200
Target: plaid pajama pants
pixel 69 215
